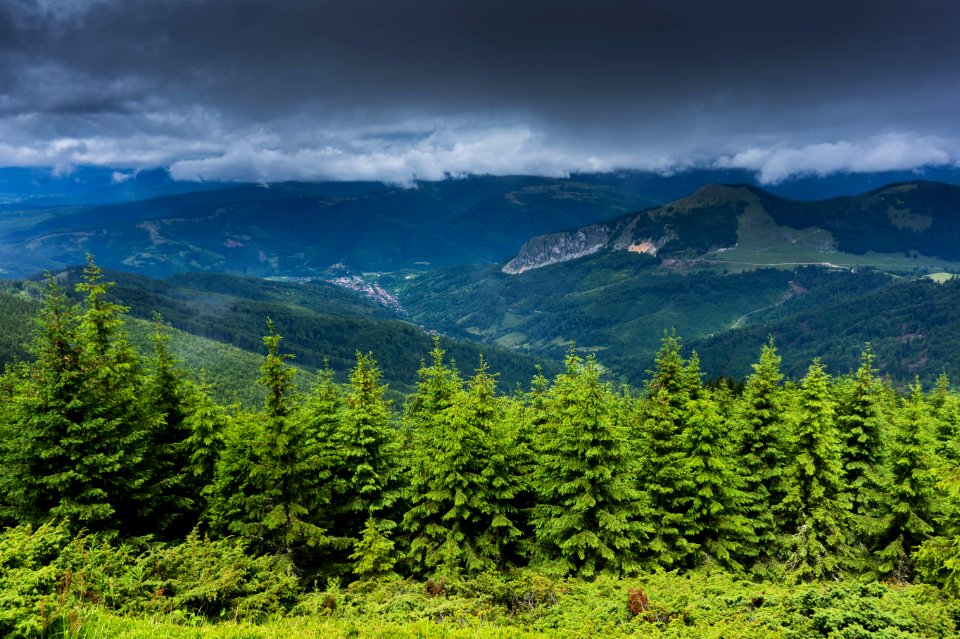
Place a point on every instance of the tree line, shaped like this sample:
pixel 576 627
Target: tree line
pixel 822 478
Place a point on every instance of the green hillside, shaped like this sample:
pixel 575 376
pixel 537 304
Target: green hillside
pixel 723 258
pixel 300 229
pixel 912 326
pixel 319 322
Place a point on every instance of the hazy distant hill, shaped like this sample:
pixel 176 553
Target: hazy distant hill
pixel 742 224
pixel 318 322
pixel 486 259
pixel 145 222
pixel 724 258
pixel 299 229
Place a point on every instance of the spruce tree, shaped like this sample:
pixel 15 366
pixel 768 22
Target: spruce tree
pixel 861 415
pixel 373 554
pixel 717 522
pixel 946 413
pixel 437 386
pixel 664 475
pixel 320 410
pixel 80 429
pixel 590 517
pixel 174 498
pixel 460 489
pixel 820 544
pixel 208 424
pixel 269 480
pixel 911 505
pixel 762 440
pixel 364 448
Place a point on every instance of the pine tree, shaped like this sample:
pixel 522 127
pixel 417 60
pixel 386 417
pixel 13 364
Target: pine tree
pixel 373 555
pixel 911 505
pixel 365 447
pixel 437 386
pixel 590 517
pixel 946 412
pixel 663 471
pixel 269 479
pixel 320 410
pixel 175 500
pixel 460 490
pixel 820 546
pixel 937 559
pixel 718 525
pixel 762 434
pixel 860 418
pixel 115 410
pixel 80 429
pixel 208 424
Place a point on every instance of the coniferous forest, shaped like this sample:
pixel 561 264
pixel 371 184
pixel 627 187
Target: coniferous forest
pixel 135 504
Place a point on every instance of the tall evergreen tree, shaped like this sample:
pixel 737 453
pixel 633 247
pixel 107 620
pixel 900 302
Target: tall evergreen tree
pixel 208 424
pixel 174 498
pixel 437 386
pixel 946 413
pixel 717 522
pixel 460 491
pixel 80 429
pixel 320 410
pixel 820 545
pixel 762 434
pixel 860 417
pixel 911 505
pixel 590 517
pixel 269 480
pixel 365 448
pixel 663 472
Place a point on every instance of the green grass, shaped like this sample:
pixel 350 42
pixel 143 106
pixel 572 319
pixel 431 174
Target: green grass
pixel 762 243
pixel 664 606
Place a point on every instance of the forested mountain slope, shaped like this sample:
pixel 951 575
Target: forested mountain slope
pixel 301 229
pixel 720 260
pixel 321 323
pixel 814 507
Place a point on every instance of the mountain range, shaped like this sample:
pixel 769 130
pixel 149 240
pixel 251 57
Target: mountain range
pixel 525 265
pixel 711 265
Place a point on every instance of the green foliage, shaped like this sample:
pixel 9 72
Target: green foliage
pixel 910 324
pixel 861 415
pixel 462 480
pixel 28 574
pixel 374 556
pixel 49 580
pixel 267 481
pixel 365 443
pixel 321 323
pixel 817 508
pixel 78 430
pixel 590 518
pixel 176 499
pixel 208 424
pixel 762 430
pixel 663 473
pixel 583 483
pixel 912 501
pixel 719 526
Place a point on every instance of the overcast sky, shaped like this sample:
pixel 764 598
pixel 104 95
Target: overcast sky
pixel 267 90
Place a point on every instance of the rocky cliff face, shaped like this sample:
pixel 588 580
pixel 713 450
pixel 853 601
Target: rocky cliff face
pixel 559 247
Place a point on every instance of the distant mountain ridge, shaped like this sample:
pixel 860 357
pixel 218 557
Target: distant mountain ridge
pixel 712 265
pixel 302 229
pixel 923 217
pixel 149 224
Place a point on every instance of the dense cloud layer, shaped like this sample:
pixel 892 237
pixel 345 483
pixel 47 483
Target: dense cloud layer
pixel 362 89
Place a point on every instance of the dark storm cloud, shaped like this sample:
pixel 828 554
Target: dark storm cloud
pixel 250 89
